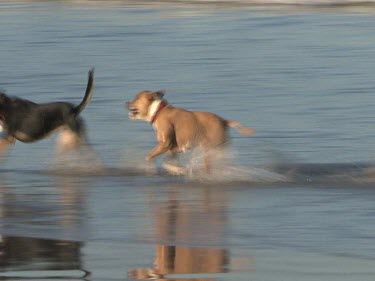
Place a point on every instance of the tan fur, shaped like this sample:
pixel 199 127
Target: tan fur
pixel 178 130
pixel 67 140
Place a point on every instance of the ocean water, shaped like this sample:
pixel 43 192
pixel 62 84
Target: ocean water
pixel 294 201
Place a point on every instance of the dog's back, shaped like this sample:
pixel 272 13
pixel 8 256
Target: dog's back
pixel 194 128
pixel 29 122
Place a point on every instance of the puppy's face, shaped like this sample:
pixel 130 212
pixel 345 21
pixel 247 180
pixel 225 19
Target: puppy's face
pixel 139 107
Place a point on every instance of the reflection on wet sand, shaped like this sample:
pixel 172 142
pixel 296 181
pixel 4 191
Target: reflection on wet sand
pixel 193 218
pixel 41 258
pixel 18 254
pixel 172 260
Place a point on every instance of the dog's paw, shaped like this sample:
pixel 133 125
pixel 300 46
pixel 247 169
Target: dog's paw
pixel 174 170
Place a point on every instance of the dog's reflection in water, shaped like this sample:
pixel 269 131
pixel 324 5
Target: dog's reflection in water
pixel 184 260
pixel 188 217
pixel 40 257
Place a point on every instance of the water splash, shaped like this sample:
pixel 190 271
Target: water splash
pixel 224 170
pixel 83 160
pixel 135 160
pixel 231 173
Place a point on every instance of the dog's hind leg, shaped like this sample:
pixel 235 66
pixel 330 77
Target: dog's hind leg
pixel 171 164
pixel 71 136
pixel 67 140
pixel 212 157
pixel 207 160
pixel 172 157
pixel 174 170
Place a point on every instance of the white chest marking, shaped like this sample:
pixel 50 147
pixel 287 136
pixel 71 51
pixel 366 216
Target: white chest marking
pixel 153 109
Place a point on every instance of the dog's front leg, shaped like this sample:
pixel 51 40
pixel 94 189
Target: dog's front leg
pixel 5 143
pixel 159 149
pixel 165 144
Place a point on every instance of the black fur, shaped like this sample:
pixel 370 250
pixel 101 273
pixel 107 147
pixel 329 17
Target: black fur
pixel 27 121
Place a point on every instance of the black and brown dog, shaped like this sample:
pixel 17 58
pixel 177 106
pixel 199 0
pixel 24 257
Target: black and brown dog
pixel 26 121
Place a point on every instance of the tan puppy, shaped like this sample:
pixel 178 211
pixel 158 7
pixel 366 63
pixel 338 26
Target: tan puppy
pixel 178 130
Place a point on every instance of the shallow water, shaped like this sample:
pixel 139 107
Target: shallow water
pixel 292 202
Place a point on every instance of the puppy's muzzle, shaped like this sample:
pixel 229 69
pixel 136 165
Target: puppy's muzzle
pixel 133 111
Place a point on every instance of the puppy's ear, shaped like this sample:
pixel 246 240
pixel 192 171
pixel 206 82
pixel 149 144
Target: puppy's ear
pixel 3 98
pixel 160 94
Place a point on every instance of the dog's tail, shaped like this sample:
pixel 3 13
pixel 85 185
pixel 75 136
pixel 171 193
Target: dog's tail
pixel 88 93
pixel 242 129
